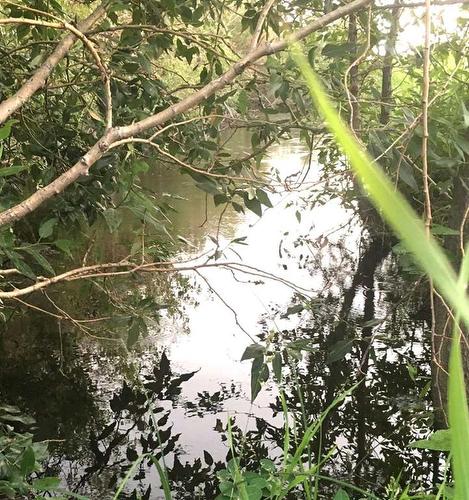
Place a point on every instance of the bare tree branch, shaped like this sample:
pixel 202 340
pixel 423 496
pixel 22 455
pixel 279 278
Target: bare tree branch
pixel 38 80
pixel 115 134
pixel 418 4
pixel 125 267
pixel 184 164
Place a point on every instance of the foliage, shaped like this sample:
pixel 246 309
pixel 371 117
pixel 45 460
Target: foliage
pixel 21 458
pixel 426 252
pixel 158 53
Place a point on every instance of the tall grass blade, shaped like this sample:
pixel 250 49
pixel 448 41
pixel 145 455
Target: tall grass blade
pixel 163 478
pixel 457 403
pixel 427 253
pixel 127 477
pixel 312 429
pixel 238 476
pixel 395 208
pixel 458 420
pixel 286 434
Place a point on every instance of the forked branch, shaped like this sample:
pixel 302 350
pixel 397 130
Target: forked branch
pixel 39 78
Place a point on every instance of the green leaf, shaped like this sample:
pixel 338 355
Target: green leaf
pixel 14 169
pixel 301 345
pixel 237 207
pixel 132 337
pixel 253 351
pixel 46 484
pixel 21 265
pixel 9 409
pixel 253 204
pixel 296 309
pixel 208 186
pixel 338 50
pixel 47 228
pixel 438 229
pixel 5 131
pixel 7 490
pixel 339 350
pixel 41 260
pixel 463 144
pixel 465 114
pixel 259 374
pixel 372 323
pixel 139 166
pixel 210 145
pixel 412 371
pixel 22 419
pixel 227 487
pixel 137 326
pixel 277 366
pixel 28 461
pixel 439 441
pixel 263 198
pixel 113 218
pixel 254 492
pixel 341 495
pixel 267 465
pixel 94 113
pixel 208 458
pixel 239 241
pixel 406 175
pixel 243 102
pixel 218 199
pixel 65 246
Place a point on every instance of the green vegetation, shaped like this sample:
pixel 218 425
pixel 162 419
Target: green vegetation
pixel 119 120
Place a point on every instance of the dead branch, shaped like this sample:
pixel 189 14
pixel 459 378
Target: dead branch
pixel 183 164
pixel 125 268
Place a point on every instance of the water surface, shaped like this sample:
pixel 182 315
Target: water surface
pixel 86 393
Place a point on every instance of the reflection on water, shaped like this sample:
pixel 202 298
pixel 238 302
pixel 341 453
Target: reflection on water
pixel 172 394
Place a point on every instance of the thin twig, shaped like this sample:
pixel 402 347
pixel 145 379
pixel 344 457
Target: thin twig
pixel 260 23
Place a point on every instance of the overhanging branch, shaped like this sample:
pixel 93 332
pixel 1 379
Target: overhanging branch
pixel 116 134
pixel 39 78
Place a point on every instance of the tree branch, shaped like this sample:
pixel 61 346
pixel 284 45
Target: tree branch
pixel 38 80
pixel 115 134
pixel 125 267
pixel 260 23
pixel 418 4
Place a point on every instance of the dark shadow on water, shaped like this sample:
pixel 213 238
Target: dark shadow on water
pixel 367 334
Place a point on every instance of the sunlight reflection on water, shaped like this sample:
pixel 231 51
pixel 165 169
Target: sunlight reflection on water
pixel 216 342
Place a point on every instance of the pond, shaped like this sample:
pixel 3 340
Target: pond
pixel 335 310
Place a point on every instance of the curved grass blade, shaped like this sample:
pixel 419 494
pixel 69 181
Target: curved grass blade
pixel 427 253
pixel 394 207
pixel 163 478
pixel 127 477
pixel 457 403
